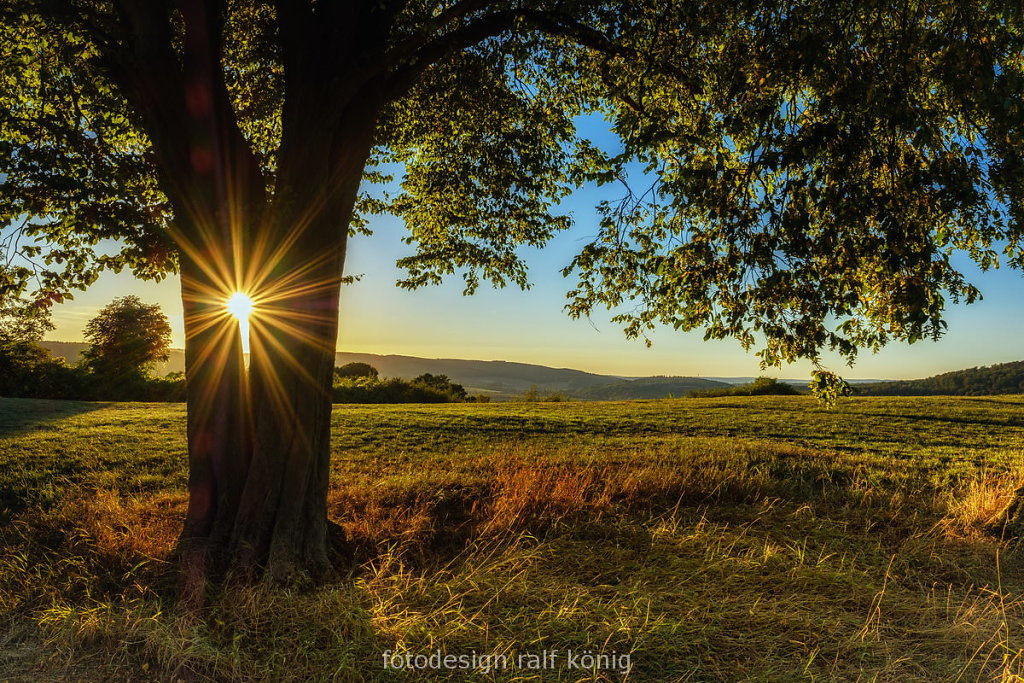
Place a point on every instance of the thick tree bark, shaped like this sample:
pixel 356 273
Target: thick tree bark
pixel 259 441
pixel 282 520
pixel 218 429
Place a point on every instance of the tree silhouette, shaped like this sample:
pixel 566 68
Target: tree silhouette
pixel 796 175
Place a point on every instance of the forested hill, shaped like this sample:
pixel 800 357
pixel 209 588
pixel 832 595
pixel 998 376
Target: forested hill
pixel 1005 378
pixel 490 375
pixel 497 376
pixel 498 379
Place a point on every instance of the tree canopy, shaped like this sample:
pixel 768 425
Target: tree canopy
pixel 797 175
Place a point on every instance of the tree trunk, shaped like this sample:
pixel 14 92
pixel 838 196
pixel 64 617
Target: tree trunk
pixel 282 520
pixel 259 440
pixel 218 427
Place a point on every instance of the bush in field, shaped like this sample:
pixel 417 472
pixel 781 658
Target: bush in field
pixel 27 370
pixel 443 384
pixel 533 395
pixel 762 386
pixel 170 388
pixel 395 390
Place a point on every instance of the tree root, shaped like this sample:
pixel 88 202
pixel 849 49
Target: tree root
pixel 194 574
pixel 201 567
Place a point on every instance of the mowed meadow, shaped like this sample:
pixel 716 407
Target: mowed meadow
pixel 729 539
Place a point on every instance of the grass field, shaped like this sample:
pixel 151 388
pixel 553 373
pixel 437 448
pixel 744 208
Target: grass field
pixel 733 539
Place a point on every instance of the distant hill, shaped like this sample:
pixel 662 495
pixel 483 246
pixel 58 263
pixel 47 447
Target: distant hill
pixel 498 376
pixel 491 376
pixel 67 350
pixel 1004 378
pixel 648 387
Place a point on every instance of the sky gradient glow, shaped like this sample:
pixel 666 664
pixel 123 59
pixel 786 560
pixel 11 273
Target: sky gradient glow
pixel 530 327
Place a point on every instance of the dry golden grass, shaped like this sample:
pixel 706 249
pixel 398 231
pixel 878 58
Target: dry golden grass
pixel 702 558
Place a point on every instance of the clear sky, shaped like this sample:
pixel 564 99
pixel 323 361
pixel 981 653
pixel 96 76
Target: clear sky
pixel 377 317
pixel 531 327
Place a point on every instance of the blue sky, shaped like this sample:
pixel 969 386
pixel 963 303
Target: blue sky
pixel 531 327
pixel 377 317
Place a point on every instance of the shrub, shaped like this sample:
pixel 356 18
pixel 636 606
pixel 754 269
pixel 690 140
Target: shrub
pixel 442 384
pixel 533 395
pixel 27 370
pixel 395 390
pixel 762 386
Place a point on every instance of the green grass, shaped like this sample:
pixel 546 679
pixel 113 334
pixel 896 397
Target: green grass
pixel 731 539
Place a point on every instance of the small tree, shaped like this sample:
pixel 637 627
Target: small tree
pixel 127 339
pixel 355 370
pixel 26 368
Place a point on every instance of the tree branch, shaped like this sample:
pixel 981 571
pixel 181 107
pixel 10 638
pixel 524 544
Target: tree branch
pixel 293 19
pixel 147 72
pixel 216 121
pixel 407 49
pixel 489 26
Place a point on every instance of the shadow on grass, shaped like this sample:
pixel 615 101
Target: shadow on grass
pixel 431 518
pixel 978 399
pixel 971 420
pixel 20 415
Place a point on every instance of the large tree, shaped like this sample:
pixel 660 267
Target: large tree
pixel 793 173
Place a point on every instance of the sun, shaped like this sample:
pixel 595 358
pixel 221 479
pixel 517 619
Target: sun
pixel 240 305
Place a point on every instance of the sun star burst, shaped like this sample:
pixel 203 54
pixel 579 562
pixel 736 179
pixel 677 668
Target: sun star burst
pixel 240 305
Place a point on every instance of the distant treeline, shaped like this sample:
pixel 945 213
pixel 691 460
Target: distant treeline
pixel 1005 378
pixel 359 383
pixel 648 387
pixel 27 370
